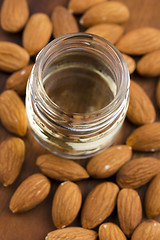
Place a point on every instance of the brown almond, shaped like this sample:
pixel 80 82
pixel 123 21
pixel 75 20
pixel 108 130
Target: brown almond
pixel 72 233
pixel 110 231
pixel 158 93
pixel 149 65
pixel 145 138
pixel 107 12
pixel 14 15
pixel 130 62
pixel 66 204
pixel 32 191
pixel 140 41
pixel 78 7
pixel 18 80
pixel 109 31
pixel 109 161
pixel 141 110
pixel 152 198
pixel 138 172
pixel 148 230
pixel 61 169
pixel 99 204
pixel 12 57
pixel 37 33
pixel 12 112
pixel 63 22
pixel 129 209
pixel 12 153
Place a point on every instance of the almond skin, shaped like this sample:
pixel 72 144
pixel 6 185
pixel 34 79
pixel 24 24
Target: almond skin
pixel 66 204
pixel 109 31
pixel 138 172
pixel 141 110
pixel 145 138
pixel 148 230
pixel 152 197
pixel 61 169
pixel 107 12
pixel 14 15
pixel 149 65
pixel 110 231
pixel 37 33
pixel 63 22
pixel 12 112
pixel 72 233
pixel 12 57
pixel 109 161
pixel 12 153
pixel 99 204
pixel 18 80
pixel 140 41
pixel 78 7
pixel 130 62
pixel 32 191
pixel 129 209
pixel 158 93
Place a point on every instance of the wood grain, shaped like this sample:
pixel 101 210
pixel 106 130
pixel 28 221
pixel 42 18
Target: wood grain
pixel 36 223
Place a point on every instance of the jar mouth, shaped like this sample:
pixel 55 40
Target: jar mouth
pixel 87 39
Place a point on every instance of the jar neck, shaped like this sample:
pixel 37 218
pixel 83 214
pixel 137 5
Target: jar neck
pixel 52 114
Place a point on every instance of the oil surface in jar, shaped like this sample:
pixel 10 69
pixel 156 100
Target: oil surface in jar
pixel 78 87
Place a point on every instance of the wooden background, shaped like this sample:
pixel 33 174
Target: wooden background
pixel 35 224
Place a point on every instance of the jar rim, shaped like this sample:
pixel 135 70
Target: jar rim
pixel 124 84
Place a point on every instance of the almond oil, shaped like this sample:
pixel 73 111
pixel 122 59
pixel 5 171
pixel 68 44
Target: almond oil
pixel 78 87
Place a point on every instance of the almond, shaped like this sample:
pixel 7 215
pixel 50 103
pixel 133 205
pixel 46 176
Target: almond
pixel 72 233
pixel 141 110
pixel 129 209
pixel 145 138
pixel 140 41
pixel 138 172
pixel 99 204
pixel 130 62
pixel 12 153
pixel 32 191
pixel 152 198
pixel 12 57
pixel 110 231
pixel 60 169
pixel 66 204
pixel 109 31
pixel 107 12
pixel 12 112
pixel 109 161
pixel 14 15
pixel 18 80
pixel 37 33
pixel 158 93
pixel 78 7
pixel 149 65
pixel 148 230
pixel 63 22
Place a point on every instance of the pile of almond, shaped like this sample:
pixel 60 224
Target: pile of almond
pixel 103 18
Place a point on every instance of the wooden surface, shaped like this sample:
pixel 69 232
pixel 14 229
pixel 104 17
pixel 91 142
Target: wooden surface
pixel 35 224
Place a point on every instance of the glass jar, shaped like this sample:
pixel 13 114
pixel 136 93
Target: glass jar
pixel 77 95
